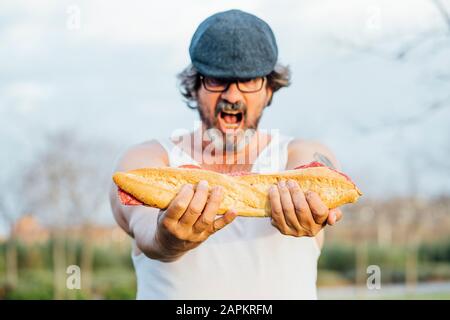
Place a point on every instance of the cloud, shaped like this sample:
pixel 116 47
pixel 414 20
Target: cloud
pixel 114 76
pixel 25 97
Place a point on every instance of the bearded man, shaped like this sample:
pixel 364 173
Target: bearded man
pixel 187 251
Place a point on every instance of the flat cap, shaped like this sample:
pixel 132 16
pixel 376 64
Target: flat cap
pixel 233 45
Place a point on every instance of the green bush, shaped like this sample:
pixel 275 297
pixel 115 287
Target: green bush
pixel 337 257
pixel 105 258
pixel 33 284
pixel 2 258
pixel 115 283
pixel 435 252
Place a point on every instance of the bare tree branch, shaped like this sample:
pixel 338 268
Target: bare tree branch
pixel 445 15
pixel 69 179
pixel 408 121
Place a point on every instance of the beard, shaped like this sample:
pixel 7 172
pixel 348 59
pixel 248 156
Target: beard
pixel 229 142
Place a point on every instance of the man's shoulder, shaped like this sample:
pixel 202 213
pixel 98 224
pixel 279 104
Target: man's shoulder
pixel 302 151
pixel 307 146
pixel 144 154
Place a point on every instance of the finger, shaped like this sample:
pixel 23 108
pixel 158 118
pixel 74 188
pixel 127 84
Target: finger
pixel 339 214
pixel 288 206
pixel 180 203
pixel 334 216
pixel 318 209
pixel 196 205
pixel 206 219
pixel 301 206
pixel 226 219
pixel 304 214
pixel 276 209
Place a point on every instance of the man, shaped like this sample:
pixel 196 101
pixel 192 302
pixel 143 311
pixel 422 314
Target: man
pixel 186 251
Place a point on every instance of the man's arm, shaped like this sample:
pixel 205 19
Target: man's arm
pixel 302 152
pixel 190 218
pixel 133 219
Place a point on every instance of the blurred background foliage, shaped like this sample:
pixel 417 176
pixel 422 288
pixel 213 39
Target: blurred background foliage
pixel 107 271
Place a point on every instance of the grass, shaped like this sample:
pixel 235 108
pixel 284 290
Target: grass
pixel 111 283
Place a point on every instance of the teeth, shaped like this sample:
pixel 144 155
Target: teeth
pixel 231 112
pixel 231 125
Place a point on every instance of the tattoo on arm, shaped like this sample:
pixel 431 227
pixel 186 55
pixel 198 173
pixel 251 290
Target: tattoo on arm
pixel 323 160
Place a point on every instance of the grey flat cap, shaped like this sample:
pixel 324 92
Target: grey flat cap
pixel 233 45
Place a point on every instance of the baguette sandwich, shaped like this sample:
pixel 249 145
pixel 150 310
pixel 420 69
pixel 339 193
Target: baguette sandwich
pixel 247 193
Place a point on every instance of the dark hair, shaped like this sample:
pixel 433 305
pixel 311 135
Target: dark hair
pixel 190 82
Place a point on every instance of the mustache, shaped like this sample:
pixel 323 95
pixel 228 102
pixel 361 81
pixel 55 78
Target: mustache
pixel 226 106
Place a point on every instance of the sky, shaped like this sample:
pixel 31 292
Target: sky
pixel 107 70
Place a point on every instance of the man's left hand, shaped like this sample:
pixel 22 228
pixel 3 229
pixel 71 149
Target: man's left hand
pixel 299 214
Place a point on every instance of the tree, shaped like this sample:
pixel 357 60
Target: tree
pixel 434 42
pixel 417 159
pixel 13 206
pixel 68 183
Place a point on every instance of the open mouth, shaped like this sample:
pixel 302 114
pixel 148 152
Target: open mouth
pixel 231 120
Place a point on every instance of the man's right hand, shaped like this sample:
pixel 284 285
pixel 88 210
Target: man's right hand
pixel 189 220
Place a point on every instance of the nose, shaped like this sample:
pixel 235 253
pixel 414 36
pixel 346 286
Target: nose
pixel 232 95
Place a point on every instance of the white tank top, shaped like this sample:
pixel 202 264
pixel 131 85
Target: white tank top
pixel 248 259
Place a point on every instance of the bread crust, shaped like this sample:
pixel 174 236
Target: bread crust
pixel 247 194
